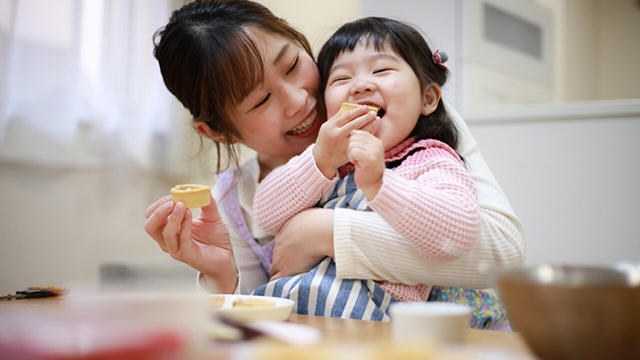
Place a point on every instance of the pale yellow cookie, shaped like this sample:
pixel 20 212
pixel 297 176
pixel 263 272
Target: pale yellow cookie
pixel 252 302
pixel 192 195
pixel 217 301
pixel 346 107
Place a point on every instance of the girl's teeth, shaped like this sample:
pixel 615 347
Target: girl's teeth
pixel 306 125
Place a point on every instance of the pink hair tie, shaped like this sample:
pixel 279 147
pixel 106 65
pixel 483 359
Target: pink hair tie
pixel 440 58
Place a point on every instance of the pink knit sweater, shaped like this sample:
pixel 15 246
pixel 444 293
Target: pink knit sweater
pixel 429 198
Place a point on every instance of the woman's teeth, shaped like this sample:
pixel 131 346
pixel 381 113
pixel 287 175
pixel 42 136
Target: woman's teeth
pixel 306 125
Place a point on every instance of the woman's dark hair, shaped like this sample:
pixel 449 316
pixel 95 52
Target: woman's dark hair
pixel 209 61
pixel 409 44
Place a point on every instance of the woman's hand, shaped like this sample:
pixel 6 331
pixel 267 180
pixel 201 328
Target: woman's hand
pixel 201 243
pixel 303 242
pixel 330 151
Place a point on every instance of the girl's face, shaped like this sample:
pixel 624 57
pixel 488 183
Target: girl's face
pixel 280 117
pixel 381 79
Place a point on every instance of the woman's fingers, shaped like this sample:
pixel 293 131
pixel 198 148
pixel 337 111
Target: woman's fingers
pixel 276 276
pixel 170 231
pixel 210 212
pixel 273 269
pixel 155 224
pixel 184 237
pixel 163 200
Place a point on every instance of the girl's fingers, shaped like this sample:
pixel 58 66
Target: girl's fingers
pixel 163 200
pixel 360 122
pixel 372 127
pixel 342 120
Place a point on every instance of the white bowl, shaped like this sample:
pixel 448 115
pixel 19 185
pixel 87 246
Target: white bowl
pixel 444 322
pixel 278 312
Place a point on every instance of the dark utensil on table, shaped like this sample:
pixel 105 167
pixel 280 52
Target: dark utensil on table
pixel 569 312
pixel 36 292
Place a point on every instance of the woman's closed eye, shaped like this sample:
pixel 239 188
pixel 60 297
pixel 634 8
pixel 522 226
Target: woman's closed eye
pixel 263 101
pixel 295 64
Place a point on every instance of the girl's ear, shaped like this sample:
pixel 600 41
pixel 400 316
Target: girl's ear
pixel 205 130
pixel 432 96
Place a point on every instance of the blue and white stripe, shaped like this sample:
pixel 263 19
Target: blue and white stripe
pixel 319 292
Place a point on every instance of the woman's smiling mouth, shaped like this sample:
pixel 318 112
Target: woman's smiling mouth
pixel 305 125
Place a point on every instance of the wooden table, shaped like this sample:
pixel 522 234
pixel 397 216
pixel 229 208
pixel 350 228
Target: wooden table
pixel 347 330
pixel 334 330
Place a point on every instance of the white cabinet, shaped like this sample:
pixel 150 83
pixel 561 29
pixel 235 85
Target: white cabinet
pixel 501 51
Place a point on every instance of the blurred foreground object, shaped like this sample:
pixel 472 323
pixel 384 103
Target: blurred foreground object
pixel 568 312
pixel 37 292
pixel 151 325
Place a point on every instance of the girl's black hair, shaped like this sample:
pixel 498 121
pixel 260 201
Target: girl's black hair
pixel 409 44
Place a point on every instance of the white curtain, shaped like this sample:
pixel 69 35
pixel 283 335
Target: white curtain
pixel 79 86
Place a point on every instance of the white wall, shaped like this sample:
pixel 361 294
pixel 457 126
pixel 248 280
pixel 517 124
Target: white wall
pixel 572 182
pixel 597 48
pixel 58 225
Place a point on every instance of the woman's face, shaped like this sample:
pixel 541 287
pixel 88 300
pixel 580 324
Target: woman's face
pixel 281 116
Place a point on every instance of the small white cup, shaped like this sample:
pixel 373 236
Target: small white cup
pixel 444 322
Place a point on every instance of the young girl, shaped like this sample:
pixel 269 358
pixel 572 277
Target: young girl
pixel 406 170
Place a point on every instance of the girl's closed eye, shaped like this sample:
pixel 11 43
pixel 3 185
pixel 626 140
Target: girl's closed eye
pixel 338 78
pixel 380 71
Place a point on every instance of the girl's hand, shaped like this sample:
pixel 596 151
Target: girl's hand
pixel 201 243
pixel 303 242
pixel 366 152
pixel 330 151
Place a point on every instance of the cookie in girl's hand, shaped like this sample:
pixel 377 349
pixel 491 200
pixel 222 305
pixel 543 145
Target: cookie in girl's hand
pixel 346 107
pixel 192 195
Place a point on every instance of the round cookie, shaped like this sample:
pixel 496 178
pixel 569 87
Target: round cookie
pixel 192 195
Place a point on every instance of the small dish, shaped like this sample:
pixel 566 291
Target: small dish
pixel 278 309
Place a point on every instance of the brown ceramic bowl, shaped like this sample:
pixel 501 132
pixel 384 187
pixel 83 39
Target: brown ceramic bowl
pixel 568 312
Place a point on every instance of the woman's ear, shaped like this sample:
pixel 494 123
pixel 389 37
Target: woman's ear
pixel 432 96
pixel 205 130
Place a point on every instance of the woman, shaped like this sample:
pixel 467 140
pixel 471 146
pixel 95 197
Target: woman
pixel 247 77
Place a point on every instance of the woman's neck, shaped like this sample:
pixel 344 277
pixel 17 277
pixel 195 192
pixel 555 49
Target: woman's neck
pixel 269 162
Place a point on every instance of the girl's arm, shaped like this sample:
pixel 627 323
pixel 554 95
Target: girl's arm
pixel 287 190
pixel 431 200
